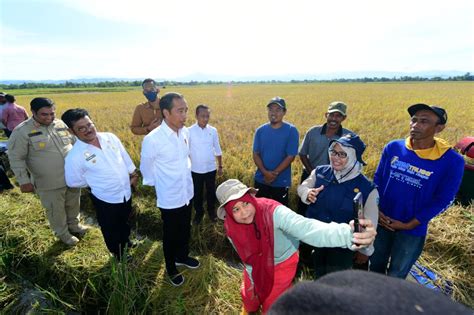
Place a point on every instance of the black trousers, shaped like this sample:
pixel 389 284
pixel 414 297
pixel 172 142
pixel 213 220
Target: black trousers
pixel 327 260
pixel 113 220
pixel 4 181
pixel 200 181
pixel 279 194
pixel 176 233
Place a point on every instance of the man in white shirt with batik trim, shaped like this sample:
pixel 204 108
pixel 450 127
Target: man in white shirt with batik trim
pixel 165 164
pixel 205 150
pixel 98 160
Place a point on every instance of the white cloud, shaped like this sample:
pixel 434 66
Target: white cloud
pixel 259 38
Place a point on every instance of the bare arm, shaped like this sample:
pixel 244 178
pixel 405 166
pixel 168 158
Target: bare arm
pixel 307 165
pixel 268 176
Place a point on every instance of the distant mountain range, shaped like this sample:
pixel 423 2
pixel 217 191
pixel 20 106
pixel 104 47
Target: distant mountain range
pixel 202 77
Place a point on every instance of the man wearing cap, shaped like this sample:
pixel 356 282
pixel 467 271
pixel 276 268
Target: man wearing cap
pixel 417 179
pixel 38 147
pixel 147 116
pixel 275 146
pixel 313 151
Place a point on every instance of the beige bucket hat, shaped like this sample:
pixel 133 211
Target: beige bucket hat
pixel 229 190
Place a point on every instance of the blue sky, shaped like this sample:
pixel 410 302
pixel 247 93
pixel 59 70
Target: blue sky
pixel 62 39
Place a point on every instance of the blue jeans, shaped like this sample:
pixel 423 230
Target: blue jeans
pixel 402 249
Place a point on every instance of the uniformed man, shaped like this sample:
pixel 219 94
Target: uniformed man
pixel 36 150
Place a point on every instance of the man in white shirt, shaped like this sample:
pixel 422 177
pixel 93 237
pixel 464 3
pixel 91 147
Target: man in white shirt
pixel 165 164
pixel 98 160
pixel 205 149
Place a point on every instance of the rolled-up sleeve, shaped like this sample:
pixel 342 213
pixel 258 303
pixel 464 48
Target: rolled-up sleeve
pixel 217 146
pixel 147 159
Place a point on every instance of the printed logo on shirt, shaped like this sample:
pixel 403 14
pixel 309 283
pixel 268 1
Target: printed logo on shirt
pixel 89 156
pixel 408 173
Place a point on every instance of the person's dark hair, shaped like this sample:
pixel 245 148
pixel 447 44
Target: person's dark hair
pixel 148 81
pixel 72 115
pixel 201 106
pixel 10 98
pixel 40 102
pixel 166 101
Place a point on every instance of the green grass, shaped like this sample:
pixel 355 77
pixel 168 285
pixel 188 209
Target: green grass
pixel 86 279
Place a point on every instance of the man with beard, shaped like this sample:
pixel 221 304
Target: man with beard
pixel 147 116
pixel 275 146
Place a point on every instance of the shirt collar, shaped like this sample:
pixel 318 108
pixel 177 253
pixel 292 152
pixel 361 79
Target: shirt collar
pixel 339 131
pixel 167 130
pixel 197 126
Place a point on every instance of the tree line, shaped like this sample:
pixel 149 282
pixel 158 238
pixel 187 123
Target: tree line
pixel 111 84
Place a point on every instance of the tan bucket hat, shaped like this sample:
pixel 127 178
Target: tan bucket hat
pixel 229 190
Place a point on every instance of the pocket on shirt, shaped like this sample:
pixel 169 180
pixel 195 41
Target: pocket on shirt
pixel 39 143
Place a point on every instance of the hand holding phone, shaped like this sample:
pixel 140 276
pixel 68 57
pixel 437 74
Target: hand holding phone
pixel 358 212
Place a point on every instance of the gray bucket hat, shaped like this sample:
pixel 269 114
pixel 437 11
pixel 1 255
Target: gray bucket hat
pixel 229 190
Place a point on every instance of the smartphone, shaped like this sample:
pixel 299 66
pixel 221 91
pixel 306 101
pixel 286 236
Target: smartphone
pixel 358 208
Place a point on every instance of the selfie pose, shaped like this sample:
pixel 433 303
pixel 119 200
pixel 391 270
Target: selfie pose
pixel 266 236
pixel 330 191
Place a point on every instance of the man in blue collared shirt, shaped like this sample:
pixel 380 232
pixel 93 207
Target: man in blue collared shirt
pixel 165 164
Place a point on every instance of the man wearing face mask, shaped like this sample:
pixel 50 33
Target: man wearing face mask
pixel 147 116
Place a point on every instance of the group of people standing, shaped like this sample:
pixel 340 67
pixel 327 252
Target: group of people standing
pixel 417 178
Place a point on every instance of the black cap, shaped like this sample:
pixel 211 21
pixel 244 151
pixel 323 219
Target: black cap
pixel 438 111
pixel 352 141
pixel 362 292
pixel 279 101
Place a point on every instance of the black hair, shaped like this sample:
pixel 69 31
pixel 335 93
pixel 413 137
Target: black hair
pixel 10 98
pixel 201 106
pixel 72 115
pixel 39 102
pixel 166 101
pixel 148 81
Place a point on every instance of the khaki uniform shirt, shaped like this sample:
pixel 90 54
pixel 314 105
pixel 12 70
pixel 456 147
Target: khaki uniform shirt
pixel 142 118
pixel 40 150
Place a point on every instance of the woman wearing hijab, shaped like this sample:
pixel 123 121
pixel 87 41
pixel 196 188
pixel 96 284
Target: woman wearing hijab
pixel 266 236
pixel 330 190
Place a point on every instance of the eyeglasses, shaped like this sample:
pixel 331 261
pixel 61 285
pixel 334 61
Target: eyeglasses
pixel 340 154
pixel 85 128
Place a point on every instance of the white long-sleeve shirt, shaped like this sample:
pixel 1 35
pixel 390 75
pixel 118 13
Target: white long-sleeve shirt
pixel 165 164
pixel 106 170
pixel 204 147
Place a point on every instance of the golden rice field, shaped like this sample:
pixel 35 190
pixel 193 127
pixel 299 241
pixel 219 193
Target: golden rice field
pixel 376 111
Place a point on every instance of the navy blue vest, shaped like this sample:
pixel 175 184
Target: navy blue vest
pixel 334 202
